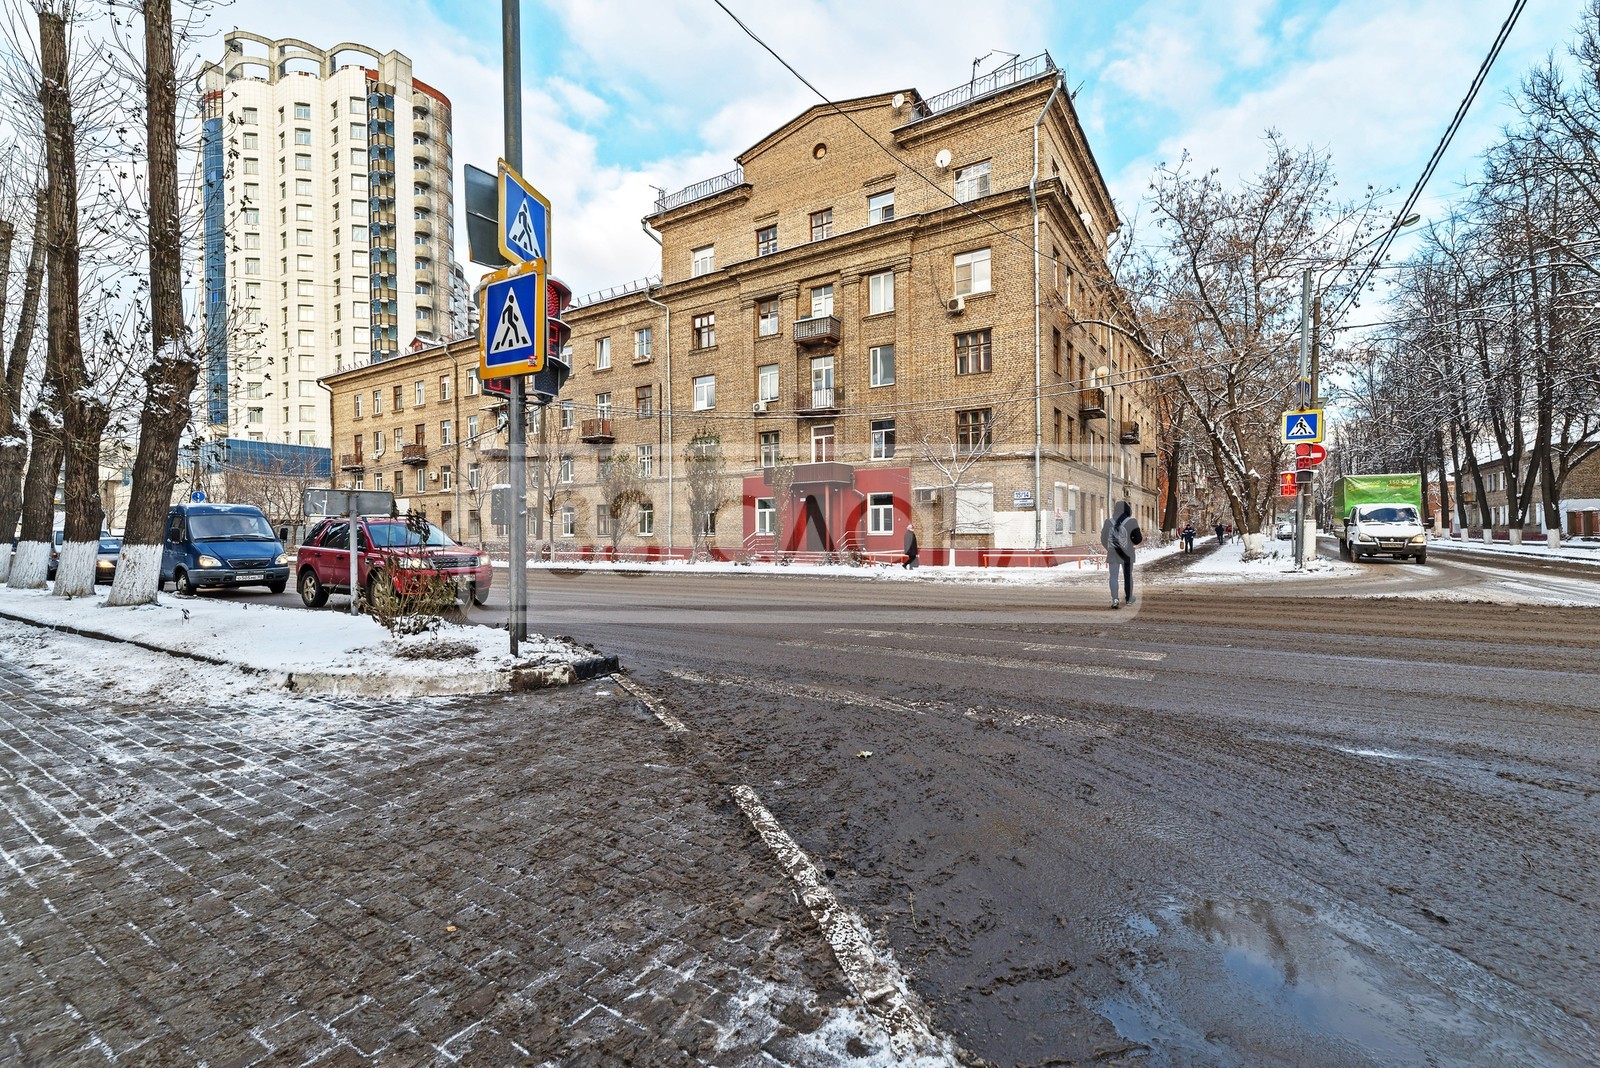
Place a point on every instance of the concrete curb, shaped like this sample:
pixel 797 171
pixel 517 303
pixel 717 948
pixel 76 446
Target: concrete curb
pixel 509 680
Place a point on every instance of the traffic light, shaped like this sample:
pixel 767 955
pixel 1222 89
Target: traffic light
pixel 1286 484
pixel 548 382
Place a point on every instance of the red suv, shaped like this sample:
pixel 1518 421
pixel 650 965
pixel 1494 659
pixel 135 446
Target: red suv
pixel 392 551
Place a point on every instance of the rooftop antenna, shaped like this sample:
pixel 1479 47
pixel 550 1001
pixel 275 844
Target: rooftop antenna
pixel 986 55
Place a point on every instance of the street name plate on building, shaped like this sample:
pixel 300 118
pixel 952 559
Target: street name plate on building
pixel 1022 499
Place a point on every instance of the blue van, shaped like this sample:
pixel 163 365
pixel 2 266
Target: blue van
pixel 222 545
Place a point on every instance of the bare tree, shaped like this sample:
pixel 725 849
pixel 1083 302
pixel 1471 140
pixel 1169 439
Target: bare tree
pixel 13 431
pixel 621 489
pixel 707 482
pixel 955 444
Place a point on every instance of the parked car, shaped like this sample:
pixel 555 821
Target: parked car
pixel 222 546
pixel 1286 531
pixel 389 551
pixel 105 564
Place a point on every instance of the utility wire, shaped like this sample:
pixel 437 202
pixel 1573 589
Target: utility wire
pixel 1433 161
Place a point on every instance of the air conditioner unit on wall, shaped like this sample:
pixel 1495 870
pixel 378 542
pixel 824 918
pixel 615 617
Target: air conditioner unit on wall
pixel 433 476
pixel 956 305
pixel 925 495
pixel 759 406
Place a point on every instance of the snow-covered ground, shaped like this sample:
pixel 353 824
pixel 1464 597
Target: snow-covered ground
pixel 1587 551
pixel 1227 564
pixel 325 652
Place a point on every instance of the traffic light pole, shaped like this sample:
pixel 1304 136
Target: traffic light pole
pixel 1305 375
pixel 517 580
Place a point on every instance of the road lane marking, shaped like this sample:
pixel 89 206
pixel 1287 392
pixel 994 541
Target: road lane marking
pixel 879 981
pixel 1032 647
pixel 673 723
pixel 984 661
pixel 812 693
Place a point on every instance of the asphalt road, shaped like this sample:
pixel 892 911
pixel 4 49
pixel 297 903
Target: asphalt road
pixel 1233 825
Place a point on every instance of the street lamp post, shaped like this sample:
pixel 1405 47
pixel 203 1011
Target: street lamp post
pixel 1104 373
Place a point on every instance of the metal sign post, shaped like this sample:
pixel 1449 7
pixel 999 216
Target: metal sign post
pixel 511 44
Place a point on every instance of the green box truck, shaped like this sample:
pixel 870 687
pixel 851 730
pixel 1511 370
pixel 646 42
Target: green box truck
pixel 1381 515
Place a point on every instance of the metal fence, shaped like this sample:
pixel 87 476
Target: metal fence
pixel 1018 70
pixel 700 190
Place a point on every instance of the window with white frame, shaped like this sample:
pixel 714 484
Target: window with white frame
pixel 647 461
pixel 705 392
pixel 769 448
pixel 766 516
pixel 822 224
pixel 821 301
pixel 472 429
pixel 602 405
pixel 377 443
pixel 767 317
pixel 602 353
pixel 444 387
pixel 880 207
pixel 880 513
pixel 641 343
pixel 880 293
pixel 821 443
pixel 602 519
pixel 972 181
pixel 357 400
pixel 446 432
pixel 702 261
pixel 474 476
pixel 447 478
pixel 767 383
pixel 972 272
pixel 421 391
pixel 705 330
pixel 567 409
pixel 569 521
pixel 472 383
pixel 647 519
pixel 880 365
pixel 882 439
pixel 566 469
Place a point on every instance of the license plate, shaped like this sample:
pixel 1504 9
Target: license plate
pixel 248 577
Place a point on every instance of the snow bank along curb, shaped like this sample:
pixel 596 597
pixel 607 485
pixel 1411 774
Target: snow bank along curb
pixel 317 652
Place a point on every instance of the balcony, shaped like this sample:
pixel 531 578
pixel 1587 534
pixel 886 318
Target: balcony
pixel 597 430
pixel 413 454
pixel 420 128
pixel 495 452
pixel 1092 404
pixel 825 473
pixel 352 462
pixel 819 400
pixel 421 157
pixel 1129 435
pixel 424 278
pixel 423 227
pixel 820 330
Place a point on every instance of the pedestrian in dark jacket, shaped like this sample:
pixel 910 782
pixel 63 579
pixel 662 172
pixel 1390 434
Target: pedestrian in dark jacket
pixel 1219 534
pixel 1119 536
pixel 911 548
pixel 1188 538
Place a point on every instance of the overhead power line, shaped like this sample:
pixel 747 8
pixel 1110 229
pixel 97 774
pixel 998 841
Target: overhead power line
pixel 1433 161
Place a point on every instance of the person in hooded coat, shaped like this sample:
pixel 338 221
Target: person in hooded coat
pixel 1120 535
pixel 911 548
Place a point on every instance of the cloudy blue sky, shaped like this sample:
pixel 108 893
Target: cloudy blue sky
pixel 622 95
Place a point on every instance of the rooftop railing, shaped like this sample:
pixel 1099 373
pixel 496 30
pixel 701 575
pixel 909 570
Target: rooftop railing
pixel 613 292
pixel 700 190
pixel 1018 70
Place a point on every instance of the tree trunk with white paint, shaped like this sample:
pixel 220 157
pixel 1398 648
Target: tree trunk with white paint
pixel 13 431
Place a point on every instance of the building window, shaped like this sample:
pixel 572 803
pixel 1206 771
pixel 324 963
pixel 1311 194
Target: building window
pixel 602 520
pixel 472 429
pixel 569 521
pixel 302 162
pixel 647 519
pixel 705 392
pixel 302 136
pixel 705 330
pixel 1055 348
pixel 880 207
pixel 446 433
pixel 602 354
pixel 641 344
pixel 703 261
pixel 252 166
pixel 766 516
pixel 974 428
pixel 880 293
pixel 647 461
pixel 444 387
pixel 447 478
pixel 399 481
pixel 821 444
pixel 972 353
pixel 377 481
pixel 769 448
pixel 472 383
pixel 249 116
pixel 766 240
pixel 972 272
pixel 252 266
pixel 767 317
pixel 399 397
pixel 767 383
pixel 880 365
pixel 972 182
pixel 882 439
pixel 377 443
pixel 474 476
pixel 880 513
pixel 644 401
pixel 567 410
pixel 822 224
pixel 566 469
pixel 706 524
pixel 421 391
pixel 821 301
pixel 357 400
pixel 302 187
pixel 602 405
pixel 302 110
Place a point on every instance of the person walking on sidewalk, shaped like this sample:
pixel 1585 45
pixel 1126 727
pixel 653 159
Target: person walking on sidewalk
pixel 1120 536
pixel 1188 538
pixel 911 548
pixel 1219 534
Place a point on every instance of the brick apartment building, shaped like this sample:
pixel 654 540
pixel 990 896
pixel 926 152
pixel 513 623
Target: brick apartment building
pixel 1579 502
pixel 883 306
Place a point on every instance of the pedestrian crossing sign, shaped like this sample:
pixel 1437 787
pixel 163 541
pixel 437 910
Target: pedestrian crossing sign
pixel 512 328
pixel 1302 426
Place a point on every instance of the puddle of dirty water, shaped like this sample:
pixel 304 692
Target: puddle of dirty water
pixel 1249 982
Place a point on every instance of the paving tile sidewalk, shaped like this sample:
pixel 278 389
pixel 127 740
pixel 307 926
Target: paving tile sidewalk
pixel 539 879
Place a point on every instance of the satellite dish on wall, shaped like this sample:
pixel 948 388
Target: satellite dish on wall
pixel 899 101
pixel 942 160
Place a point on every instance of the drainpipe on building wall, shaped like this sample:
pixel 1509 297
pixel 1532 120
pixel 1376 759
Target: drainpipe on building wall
pixel 1038 378
pixel 666 400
